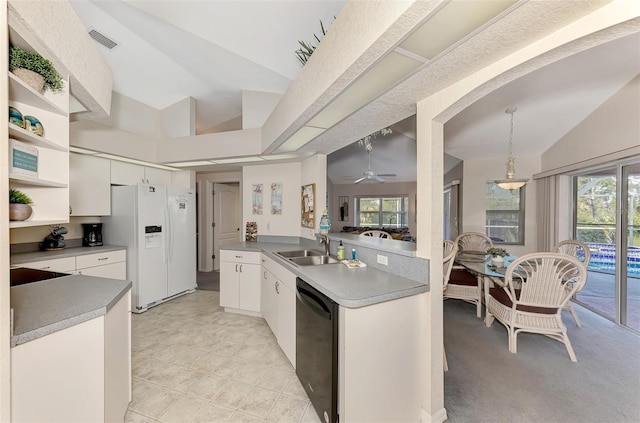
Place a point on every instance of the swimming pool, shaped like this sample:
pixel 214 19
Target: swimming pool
pixel 603 259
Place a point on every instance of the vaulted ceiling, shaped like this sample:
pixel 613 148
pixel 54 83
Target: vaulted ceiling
pixel 213 50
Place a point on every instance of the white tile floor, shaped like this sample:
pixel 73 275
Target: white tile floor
pixel 192 362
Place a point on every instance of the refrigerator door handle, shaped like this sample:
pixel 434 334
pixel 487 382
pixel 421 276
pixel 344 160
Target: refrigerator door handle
pixel 170 232
pixel 166 235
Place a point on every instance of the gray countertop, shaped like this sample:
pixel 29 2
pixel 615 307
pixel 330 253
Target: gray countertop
pixel 67 252
pixel 351 288
pixel 44 307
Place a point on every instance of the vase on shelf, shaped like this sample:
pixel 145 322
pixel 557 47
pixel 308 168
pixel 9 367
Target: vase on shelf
pixel 31 78
pixel 19 212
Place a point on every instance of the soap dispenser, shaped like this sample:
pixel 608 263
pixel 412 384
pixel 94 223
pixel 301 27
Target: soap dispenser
pixel 340 253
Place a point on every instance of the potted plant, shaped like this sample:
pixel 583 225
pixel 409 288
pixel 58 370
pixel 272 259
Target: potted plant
pixel 34 69
pixel 19 205
pixel 497 256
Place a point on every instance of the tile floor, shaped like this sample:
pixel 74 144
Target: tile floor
pixel 192 362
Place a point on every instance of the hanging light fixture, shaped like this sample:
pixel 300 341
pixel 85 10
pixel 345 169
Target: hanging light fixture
pixel 510 181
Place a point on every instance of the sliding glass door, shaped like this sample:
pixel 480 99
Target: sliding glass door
pixel 607 219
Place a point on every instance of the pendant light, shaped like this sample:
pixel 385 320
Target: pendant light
pixel 510 181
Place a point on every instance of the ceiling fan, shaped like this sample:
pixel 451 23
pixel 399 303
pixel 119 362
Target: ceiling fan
pixel 370 174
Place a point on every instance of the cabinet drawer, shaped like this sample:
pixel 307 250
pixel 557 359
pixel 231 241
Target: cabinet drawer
pixel 251 257
pixel 100 259
pixel 65 265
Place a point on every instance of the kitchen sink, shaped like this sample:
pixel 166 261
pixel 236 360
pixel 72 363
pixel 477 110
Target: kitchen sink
pixel 313 260
pixel 299 253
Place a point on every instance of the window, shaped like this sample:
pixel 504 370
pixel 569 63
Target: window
pixel 505 214
pixel 391 212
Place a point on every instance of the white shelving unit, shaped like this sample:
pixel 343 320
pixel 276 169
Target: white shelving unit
pixel 50 190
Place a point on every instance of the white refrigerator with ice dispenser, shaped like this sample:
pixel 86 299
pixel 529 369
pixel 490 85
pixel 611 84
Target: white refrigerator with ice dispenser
pixel 157 224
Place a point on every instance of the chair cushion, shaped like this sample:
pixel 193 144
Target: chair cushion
pixel 463 277
pixel 501 296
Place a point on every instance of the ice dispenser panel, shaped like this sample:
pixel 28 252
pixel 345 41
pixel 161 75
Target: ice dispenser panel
pixel 152 236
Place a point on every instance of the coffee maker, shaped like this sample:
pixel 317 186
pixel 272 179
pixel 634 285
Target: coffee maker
pixel 92 234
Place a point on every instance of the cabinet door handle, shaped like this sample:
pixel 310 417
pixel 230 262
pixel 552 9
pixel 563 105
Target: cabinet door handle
pixel 265 274
pixel 236 268
pixel 103 258
pixel 240 268
pixel 277 285
pixel 45 268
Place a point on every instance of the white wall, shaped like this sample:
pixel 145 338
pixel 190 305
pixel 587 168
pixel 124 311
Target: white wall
pixel 179 120
pixel 476 174
pixel 256 107
pixel 107 139
pixel 133 116
pixel 386 189
pixel 614 126
pixel 285 224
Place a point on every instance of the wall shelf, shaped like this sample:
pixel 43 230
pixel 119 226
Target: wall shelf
pixel 35 222
pixel 25 136
pixel 25 180
pixel 20 92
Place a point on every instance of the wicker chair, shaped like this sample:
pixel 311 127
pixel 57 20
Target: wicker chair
pixel 581 251
pixel 449 253
pixel 464 285
pixel 547 281
pixel 376 234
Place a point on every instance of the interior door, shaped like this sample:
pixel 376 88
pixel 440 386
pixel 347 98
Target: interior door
pixel 226 218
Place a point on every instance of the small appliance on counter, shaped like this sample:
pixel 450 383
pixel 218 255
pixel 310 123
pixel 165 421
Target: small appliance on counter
pixel 54 241
pixel 92 234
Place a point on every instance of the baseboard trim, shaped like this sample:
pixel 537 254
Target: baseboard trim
pixel 437 417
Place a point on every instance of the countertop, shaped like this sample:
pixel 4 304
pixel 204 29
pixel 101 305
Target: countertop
pixel 67 252
pixel 44 307
pixel 351 288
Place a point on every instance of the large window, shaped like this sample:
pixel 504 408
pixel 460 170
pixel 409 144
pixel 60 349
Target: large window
pixel 504 214
pixel 392 212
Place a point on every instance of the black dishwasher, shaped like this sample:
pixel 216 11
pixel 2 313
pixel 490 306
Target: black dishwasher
pixel 317 349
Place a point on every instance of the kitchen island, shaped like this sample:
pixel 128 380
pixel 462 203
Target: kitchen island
pixel 71 349
pixel 378 329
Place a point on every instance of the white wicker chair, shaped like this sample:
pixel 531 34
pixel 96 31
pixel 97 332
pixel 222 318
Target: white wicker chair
pixel 547 281
pixel 473 241
pixel 449 253
pixel 376 234
pixel 462 284
pixel 581 251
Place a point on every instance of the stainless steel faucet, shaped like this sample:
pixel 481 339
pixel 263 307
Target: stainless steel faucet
pixel 325 240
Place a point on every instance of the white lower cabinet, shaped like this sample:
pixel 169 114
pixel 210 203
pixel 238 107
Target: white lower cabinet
pixel 78 374
pixel 279 305
pixel 62 265
pixel 240 281
pixel 112 265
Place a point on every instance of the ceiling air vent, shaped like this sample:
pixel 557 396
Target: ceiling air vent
pixel 102 39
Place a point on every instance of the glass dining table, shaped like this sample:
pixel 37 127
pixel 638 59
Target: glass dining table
pixel 479 264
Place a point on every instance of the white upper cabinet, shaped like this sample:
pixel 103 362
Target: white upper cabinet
pixel 89 185
pixel 123 173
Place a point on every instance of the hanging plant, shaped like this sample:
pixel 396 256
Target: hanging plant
pixel 22 59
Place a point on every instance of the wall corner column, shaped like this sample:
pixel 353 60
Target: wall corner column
pixel 430 152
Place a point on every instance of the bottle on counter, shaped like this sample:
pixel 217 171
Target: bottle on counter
pixel 353 254
pixel 340 252
pixel 325 223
